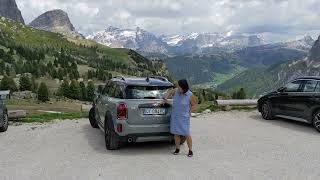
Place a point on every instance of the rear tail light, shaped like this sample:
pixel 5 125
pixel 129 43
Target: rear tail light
pixel 119 128
pixel 122 111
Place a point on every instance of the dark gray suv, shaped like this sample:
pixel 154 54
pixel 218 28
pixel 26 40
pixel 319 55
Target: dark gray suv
pixel 131 110
pixel 4 123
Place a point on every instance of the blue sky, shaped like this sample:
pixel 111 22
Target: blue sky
pixel 276 19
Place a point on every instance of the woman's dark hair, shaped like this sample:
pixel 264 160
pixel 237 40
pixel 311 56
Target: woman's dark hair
pixel 184 85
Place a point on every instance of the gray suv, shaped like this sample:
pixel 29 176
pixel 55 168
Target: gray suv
pixel 3 111
pixel 130 110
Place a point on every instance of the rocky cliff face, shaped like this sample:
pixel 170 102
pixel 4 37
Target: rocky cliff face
pixel 56 21
pixel 315 51
pixel 9 9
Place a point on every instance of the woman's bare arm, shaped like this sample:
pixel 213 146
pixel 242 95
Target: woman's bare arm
pixel 169 94
pixel 192 104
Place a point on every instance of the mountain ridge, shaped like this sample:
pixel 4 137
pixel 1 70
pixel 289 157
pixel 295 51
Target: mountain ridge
pixel 172 45
pixel 9 9
pixel 57 21
pixel 261 80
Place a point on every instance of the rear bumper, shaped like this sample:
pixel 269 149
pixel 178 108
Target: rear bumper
pixel 146 137
pixel 143 133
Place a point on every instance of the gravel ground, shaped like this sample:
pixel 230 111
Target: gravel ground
pixel 227 145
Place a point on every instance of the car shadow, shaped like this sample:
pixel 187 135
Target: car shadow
pixel 288 124
pixel 95 139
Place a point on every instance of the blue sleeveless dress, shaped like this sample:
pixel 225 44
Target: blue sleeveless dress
pixel 180 117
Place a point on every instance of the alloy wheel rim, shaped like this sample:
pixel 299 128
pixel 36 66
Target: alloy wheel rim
pixel 5 120
pixel 317 121
pixel 265 110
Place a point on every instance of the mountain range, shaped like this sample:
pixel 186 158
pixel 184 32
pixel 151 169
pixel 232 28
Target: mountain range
pixel 148 43
pixel 263 79
pixel 214 68
pixel 209 59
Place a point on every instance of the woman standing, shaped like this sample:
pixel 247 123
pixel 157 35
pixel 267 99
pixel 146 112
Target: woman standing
pixel 183 104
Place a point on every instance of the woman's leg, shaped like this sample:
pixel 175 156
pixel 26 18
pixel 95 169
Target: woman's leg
pixel 189 141
pixel 177 141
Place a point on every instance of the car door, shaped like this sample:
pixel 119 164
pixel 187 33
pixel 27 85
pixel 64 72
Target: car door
pixel 282 102
pixel 299 103
pixel 102 101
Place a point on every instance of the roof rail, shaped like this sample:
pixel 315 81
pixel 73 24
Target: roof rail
pixel 120 77
pixel 159 77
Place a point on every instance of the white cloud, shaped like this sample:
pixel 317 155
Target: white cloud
pixel 287 17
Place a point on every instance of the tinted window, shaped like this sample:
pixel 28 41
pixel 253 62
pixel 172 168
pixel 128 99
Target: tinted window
pixel 293 86
pixel 317 89
pixel 118 91
pixel 146 92
pixel 309 86
pixel 108 89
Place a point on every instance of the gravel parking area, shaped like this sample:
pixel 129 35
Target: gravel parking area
pixel 227 145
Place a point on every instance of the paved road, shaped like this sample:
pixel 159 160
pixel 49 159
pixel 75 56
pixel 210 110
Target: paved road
pixel 227 145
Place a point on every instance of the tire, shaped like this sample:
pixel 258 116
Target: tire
pixel 92 118
pixel 111 138
pixel 266 111
pixel 316 121
pixel 5 123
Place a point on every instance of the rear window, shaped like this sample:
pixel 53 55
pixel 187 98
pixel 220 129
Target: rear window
pixel 146 92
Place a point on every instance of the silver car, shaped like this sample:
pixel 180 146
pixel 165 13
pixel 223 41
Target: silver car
pixel 131 110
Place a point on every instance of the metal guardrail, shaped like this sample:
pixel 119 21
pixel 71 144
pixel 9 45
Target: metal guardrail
pixel 237 102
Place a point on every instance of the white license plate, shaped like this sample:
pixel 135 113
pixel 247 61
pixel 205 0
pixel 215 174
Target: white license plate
pixel 154 111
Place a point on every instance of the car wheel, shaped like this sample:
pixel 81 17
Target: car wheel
pixel 111 138
pixel 92 118
pixel 266 111
pixel 316 121
pixel 5 120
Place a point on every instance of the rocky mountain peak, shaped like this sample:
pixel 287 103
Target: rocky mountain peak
pixel 315 51
pixel 9 9
pixel 56 21
pixel 308 38
pixel 111 28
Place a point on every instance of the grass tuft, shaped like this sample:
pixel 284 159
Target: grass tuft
pixel 47 117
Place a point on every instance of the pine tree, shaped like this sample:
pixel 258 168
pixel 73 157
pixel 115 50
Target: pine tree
pixel 43 93
pixel 74 89
pixel 242 94
pixel 34 84
pixel 2 67
pixel 90 74
pixel 8 70
pixel 83 91
pixel 60 74
pixel 54 73
pixel 25 83
pixel 64 89
pixel 7 83
pixel 90 91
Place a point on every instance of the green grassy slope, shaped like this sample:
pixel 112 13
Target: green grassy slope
pixel 14 35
